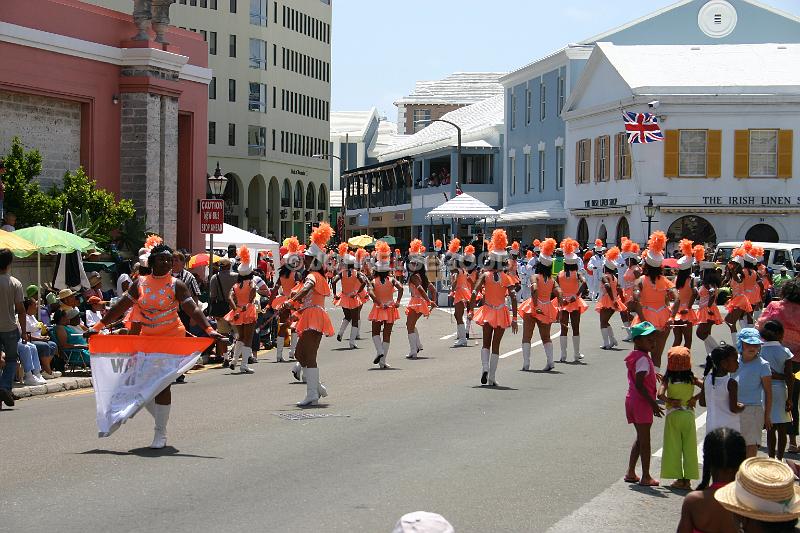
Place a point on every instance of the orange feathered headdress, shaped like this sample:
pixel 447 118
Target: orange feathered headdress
pixel 627 245
pixel 397 252
pixel 342 249
pixel 322 234
pixel 499 241
pixel 454 246
pixel 598 243
pixel 438 244
pixel 635 248
pixel 536 243
pixel 757 252
pixel 686 247
pixel 416 248
pixel 657 242
pixel 529 254
pixel 747 246
pixel 569 245
pixel 361 254
pixel 292 245
pixel 612 255
pixel 699 253
pixel 153 241
pixel 469 250
pixel 382 249
pixel 515 246
pixel 244 254
pixel 548 247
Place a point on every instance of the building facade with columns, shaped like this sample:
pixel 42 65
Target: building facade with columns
pixel 74 85
pixel 268 106
pixel 727 169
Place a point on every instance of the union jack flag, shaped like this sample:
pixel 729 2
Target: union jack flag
pixel 642 128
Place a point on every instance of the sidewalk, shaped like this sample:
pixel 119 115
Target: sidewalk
pixel 77 380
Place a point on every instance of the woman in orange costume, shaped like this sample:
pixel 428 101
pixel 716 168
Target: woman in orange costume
pixel 539 309
pixel 243 314
pixel 572 285
pixel 744 284
pixel 493 315
pixel 684 316
pixel 630 254
pixel 313 321
pixel 288 281
pixel 708 314
pixel 754 283
pixel 513 265
pixel 420 303
pixel 384 308
pixel 653 294
pixel 353 282
pixel 398 265
pixel 610 300
pixel 470 265
pixel 461 290
pixel 157 297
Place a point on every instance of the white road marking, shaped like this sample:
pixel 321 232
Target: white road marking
pixel 448 337
pixel 699 423
pixel 537 343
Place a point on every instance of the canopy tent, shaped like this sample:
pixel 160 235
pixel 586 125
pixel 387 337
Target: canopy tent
pixel 462 206
pixel 237 237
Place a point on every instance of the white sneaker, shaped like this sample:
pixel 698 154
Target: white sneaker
pixel 45 375
pixel 39 378
pixel 30 380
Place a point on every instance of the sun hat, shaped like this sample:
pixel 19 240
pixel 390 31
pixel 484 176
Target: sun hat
pixel 764 490
pixel 679 359
pixel 423 522
pixel 642 329
pixel 65 293
pixel 51 298
pixel 748 336
pixel 224 262
pixel 71 313
pixel 94 276
pixel 548 247
pixel 31 291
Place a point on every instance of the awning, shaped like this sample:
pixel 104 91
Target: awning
pixel 463 206
pixel 533 212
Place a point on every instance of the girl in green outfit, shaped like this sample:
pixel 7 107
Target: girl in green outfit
pixel 679 460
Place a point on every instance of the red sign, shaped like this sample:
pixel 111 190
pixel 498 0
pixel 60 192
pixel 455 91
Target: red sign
pixel 212 214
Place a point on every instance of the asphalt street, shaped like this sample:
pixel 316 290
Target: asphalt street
pixel 540 452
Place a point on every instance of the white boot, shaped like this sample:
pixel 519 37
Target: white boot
pixel 384 364
pixel 237 351
pixel 353 335
pixel 151 408
pixel 468 327
pixel 245 369
pixel 627 331
pixel 378 342
pixel 576 348
pixel 548 352
pixel 312 387
pixel 412 346
pixel 160 433
pixel 297 371
pixel 606 342
pixel 495 358
pixel 279 349
pixel 526 356
pixel 563 342
pixel 484 366
pixel 612 340
pixel 293 344
pixel 419 344
pixel 710 343
pixel 461 336
pixel 342 329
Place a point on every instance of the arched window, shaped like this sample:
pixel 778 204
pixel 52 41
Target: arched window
pixel 762 233
pixel 298 195
pixel 286 194
pixel 322 199
pixel 623 230
pixel 694 228
pixel 310 196
pixel 232 197
pixel 602 233
pixel 583 232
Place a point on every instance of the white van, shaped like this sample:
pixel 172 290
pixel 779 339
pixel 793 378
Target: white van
pixel 776 254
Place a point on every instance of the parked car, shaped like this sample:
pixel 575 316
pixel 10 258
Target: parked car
pixel 776 254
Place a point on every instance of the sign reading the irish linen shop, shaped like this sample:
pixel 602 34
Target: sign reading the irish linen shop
pixel 751 200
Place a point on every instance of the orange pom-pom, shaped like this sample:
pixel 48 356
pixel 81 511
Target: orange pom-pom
pixel 343 249
pixel 529 255
pixel 536 242
pixel 499 240
pixel 739 252
pixel 657 242
pixel 699 253
pixel 747 246
pixel 569 245
pixel 454 246
pixel 415 247
pixel 322 234
pixel 757 252
pixel 244 254
pixel 635 248
pixel 548 247
pixel 361 254
pixel 627 245
pixel 438 244
pixel 515 246
pixel 382 249
pixel 612 254
pixel 686 247
pixel 292 245
pixel 598 243
pixel 153 241
pixel 469 250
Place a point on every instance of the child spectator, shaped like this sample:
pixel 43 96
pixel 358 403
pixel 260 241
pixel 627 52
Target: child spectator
pixel 723 452
pixel 640 402
pixel 755 389
pixel 720 394
pixel 780 361
pixel 679 461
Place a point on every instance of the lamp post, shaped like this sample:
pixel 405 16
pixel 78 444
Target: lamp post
pixel 650 211
pixel 216 185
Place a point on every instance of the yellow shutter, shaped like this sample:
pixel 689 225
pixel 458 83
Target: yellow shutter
pixel 714 154
pixel 578 162
pixel 671 149
pixel 617 146
pixel 741 154
pixel 608 158
pixel 785 139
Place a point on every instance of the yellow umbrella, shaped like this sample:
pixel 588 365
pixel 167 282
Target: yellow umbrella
pixel 361 241
pixel 18 246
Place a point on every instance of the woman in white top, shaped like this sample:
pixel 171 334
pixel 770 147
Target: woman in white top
pixel 720 394
pixel 124 280
pixel 46 348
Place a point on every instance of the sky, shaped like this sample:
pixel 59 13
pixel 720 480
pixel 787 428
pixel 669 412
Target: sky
pixel 380 48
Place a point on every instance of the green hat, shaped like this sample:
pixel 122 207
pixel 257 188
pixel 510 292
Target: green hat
pixel 641 329
pixel 31 291
pixel 51 298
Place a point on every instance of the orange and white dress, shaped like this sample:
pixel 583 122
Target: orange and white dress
pixel 312 309
pixel 739 299
pixel 384 295
pixel 241 294
pixel 349 296
pixel 707 311
pixel 462 288
pixel 653 301
pixel 542 301
pixel 287 285
pixel 628 284
pixel 494 310
pixel 606 301
pixel 751 287
pixel 686 313
pixel 157 307
pixel 417 303
pixel 513 271
pixel 570 285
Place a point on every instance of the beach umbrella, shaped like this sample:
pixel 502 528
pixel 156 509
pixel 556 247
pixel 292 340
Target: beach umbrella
pixel 51 240
pixel 18 246
pixel 361 241
pixel 201 260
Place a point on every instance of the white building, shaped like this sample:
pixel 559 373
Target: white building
pixel 725 171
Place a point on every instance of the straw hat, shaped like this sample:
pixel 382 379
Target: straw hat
pixel 65 293
pixel 764 490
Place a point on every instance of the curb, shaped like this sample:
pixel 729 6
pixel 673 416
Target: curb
pixel 52 386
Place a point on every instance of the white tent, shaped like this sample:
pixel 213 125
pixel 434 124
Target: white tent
pixel 462 206
pixel 233 235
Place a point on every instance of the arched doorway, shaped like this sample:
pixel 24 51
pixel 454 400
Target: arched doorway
pixel 602 233
pixel 583 232
pixel 762 233
pixel 233 199
pixel 274 209
pixel 311 197
pixel 256 205
pixel 297 215
pixel 286 210
pixel 623 230
pixel 694 228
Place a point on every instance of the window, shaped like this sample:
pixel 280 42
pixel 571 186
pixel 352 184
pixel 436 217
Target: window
pixel 602 163
pixel 213 4
pixel 212 133
pixel 512 167
pixel 232 46
pixel 274 96
pixel 231 134
pixel 582 163
pixel 528 105
pixel 562 91
pixel 542 101
pixel 204 35
pixel 513 109
pixel 212 89
pixel 286 194
pixel 692 153
pixel 528 184
pixel 421 117
pixel 233 6
pixel 258 54
pixel 256 141
pixel 763 153
pixel 622 157
pixel 541 170
pixel 559 167
pixel 193 3
pixel 258 12
pixel 212 43
pixel 203 3
pixel 258 97
pixel 231 90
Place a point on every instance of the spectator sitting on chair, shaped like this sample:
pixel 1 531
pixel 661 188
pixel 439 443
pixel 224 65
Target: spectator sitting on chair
pixel 96 311
pixel 45 348
pixel 69 333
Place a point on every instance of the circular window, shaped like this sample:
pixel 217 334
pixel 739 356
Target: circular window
pixel 717 19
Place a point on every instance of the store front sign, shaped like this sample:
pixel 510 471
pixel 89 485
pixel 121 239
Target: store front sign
pixel 751 200
pixel 296 172
pixel 602 202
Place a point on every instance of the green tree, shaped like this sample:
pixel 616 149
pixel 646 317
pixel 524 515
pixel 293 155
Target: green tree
pixel 83 197
pixel 23 195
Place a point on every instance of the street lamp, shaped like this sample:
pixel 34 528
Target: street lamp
pixel 650 211
pixel 216 185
